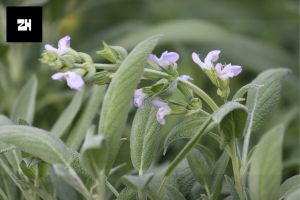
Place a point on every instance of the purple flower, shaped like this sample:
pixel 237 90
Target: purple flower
pixel 185 78
pixel 73 79
pixel 163 110
pixel 63 46
pixel 211 57
pixel 228 71
pixel 139 97
pixel 166 59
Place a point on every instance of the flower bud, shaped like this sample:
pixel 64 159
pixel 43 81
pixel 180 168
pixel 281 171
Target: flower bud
pixel 114 54
pixel 102 78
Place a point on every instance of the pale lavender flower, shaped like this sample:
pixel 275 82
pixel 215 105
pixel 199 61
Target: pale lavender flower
pixel 73 79
pixel 185 78
pixel 163 110
pixel 228 71
pixel 63 46
pixel 139 97
pixel 210 58
pixel 166 59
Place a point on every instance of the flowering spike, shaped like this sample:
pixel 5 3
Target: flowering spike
pixel 139 97
pixel 74 80
pixel 166 59
pixel 163 110
pixel 63 46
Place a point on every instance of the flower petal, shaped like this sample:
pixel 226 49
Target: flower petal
pixel 49 47
pixel 212 56
pixel 64 45
pixel 58 76
pixel 74 80
pixel 163 110
pixel 153 58
pixel 201 64
pixel 171 57
pixel 139 97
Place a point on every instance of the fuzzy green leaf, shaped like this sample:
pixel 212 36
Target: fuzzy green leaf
pixel 289 186
pixel 266 166
pixel 94 152
pixel 25 103
pixel 137 183
pixel 185 129
pixel 200 167
pixel 217 175
pixel 72 179
pixel 67 117
pixel 261 102
pixel 117 101
pixel 243 90
pixel 144 137
pixel 232 117
pixel 77 134
pixel 171 193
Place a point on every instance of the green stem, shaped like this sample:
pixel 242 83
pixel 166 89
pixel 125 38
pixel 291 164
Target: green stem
pixel 201 94
pixel 112 188
pixel 101 186
pixel 106 66
pixel 236 169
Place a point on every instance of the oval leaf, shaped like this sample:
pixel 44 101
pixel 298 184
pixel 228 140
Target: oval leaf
pixel 25 103
pixel 266 166
pixel 117 101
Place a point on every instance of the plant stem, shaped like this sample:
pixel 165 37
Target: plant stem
pixel 112 189
pixel 201 94
pixel 105 66
pixel 236 169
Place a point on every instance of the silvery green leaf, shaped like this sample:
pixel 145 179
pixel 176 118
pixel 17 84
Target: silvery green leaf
pixel 25 103
pixel 127 194
pixel 72 179
pixel 232 117
pixel 137 183
pixel 200 167
pixel 233 193
pixel 188 147
pixel 144 137
pixel 266 166
pixel 77 133
pixel 288 186
pixel 243 90
pixel 217 175
pixel 293 195
pixel 68 115
pixel 171 193
pixel 262 101
pixel 4 120
pixel 117 101
pixel 94 152
pixel 184 129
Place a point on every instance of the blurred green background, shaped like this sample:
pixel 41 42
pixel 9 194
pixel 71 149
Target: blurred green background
pixel 257 34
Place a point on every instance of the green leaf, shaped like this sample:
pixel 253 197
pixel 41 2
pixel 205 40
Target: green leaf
pixel 185 129
pixel 290 185
pixel 37 142
pixel 262 102
pixel 171 193
pixel 233 193
pixel 68 175
pixel 243 90
pixel 77 134
pixel 127 194
pixel 217 175
pixel 25 103
pixel 94 152
pixel 117 101
pixel 67 117
pixel 144 137
pixel 293 195
pixel 4 120
pixel 137 183
pixel 200 167
pixel 188 147
pixel 232 117
pixel 266 166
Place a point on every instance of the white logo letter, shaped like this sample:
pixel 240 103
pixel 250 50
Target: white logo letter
pixel 24 24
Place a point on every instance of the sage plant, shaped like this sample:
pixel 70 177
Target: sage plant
pixel 148 85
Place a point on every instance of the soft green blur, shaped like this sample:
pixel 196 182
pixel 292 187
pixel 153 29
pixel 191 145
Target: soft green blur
pixel 257 34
